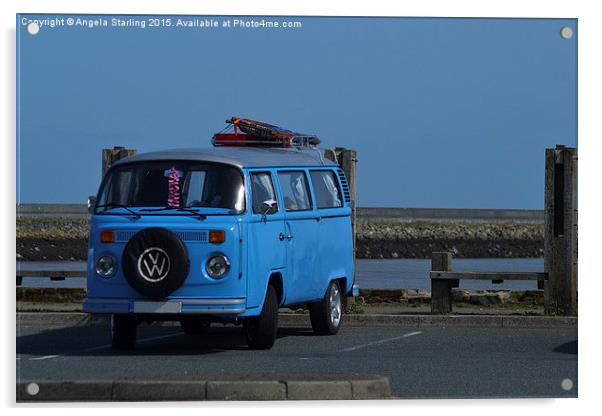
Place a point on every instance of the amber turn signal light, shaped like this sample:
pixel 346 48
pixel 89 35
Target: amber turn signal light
pixel 217 236
pixel 107 237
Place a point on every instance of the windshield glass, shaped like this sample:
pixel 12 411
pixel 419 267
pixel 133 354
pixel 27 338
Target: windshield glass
pixel 211 188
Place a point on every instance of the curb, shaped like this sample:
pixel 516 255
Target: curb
pixel 302 320
pixel 365 388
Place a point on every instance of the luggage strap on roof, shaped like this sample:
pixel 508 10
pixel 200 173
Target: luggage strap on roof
pixel 257 133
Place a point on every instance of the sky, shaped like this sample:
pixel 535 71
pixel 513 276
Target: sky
pixel 444 113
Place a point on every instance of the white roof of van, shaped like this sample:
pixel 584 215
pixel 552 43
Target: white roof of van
pixel 242 157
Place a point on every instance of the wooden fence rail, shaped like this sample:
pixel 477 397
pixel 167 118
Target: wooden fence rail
pixel 443 279
pixel 495 277
pixel 50 274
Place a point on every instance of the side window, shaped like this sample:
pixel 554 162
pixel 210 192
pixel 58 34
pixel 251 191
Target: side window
pixel 263 191
pixel 295 191
pixel 326 189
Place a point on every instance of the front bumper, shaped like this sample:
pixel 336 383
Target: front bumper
pixel 234 306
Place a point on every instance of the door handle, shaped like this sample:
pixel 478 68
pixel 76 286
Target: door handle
pixel 289 237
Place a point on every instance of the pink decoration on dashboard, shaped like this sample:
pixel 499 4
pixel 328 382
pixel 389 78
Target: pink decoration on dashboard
pixel 173 196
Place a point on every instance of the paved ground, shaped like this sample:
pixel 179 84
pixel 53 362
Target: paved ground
pixel 419 362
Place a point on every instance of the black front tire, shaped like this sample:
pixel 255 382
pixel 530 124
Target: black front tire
pixel 192 325
pixel 327 315
pixel 123 332
pixel 261 330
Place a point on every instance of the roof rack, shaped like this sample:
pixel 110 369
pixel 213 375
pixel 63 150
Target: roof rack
pixel 260 134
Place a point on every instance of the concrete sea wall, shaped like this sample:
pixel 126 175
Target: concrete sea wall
pixel 465 240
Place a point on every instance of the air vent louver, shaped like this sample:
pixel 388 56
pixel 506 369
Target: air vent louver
pixel 345 185
pixel 186 236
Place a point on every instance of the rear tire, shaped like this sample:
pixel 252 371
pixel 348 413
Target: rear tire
pixel 123 332
pixel 261 330
pixel 192 325
pixel 326 315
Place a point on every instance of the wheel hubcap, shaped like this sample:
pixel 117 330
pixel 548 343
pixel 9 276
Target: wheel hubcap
pixel 335 306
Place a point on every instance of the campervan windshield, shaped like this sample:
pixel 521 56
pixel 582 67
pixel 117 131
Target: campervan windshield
pixel 208 188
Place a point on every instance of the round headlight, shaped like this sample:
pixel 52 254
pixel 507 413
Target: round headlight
pixel 217 266
pixel 106 266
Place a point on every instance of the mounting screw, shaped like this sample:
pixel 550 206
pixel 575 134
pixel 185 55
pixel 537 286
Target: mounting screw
pixel 32 28
pixel 566 32
pixel 32 389
pixel 566 384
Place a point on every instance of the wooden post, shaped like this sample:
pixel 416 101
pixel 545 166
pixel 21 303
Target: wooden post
pixel 347 159
pixel 110 156
pixel 441 289
pixel 330 155
pixel 560 244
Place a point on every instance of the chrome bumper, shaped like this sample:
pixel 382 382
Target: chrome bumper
pixel 172 306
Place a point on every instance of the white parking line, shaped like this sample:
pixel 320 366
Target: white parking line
pixel 43 358
pixel 160 337
pixel 382 341
pixel 100 347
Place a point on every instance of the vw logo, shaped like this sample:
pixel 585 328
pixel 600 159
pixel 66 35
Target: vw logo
pixel 153 264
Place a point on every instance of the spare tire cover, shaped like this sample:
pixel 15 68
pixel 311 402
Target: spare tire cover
pixel 155 262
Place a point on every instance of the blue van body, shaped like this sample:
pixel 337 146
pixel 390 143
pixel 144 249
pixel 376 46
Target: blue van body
pixel 297 251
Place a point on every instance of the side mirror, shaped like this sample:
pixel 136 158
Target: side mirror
pixel 91 204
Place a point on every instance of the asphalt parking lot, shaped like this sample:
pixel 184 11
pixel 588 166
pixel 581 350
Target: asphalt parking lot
pixel 431 362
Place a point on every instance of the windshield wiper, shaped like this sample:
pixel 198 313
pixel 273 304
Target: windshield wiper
pixel 193 211
pixel 127 208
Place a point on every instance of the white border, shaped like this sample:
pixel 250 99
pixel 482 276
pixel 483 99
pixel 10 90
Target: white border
pixel 590 28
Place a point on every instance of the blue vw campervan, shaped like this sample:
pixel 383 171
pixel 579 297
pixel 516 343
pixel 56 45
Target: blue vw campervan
pixel 225 234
